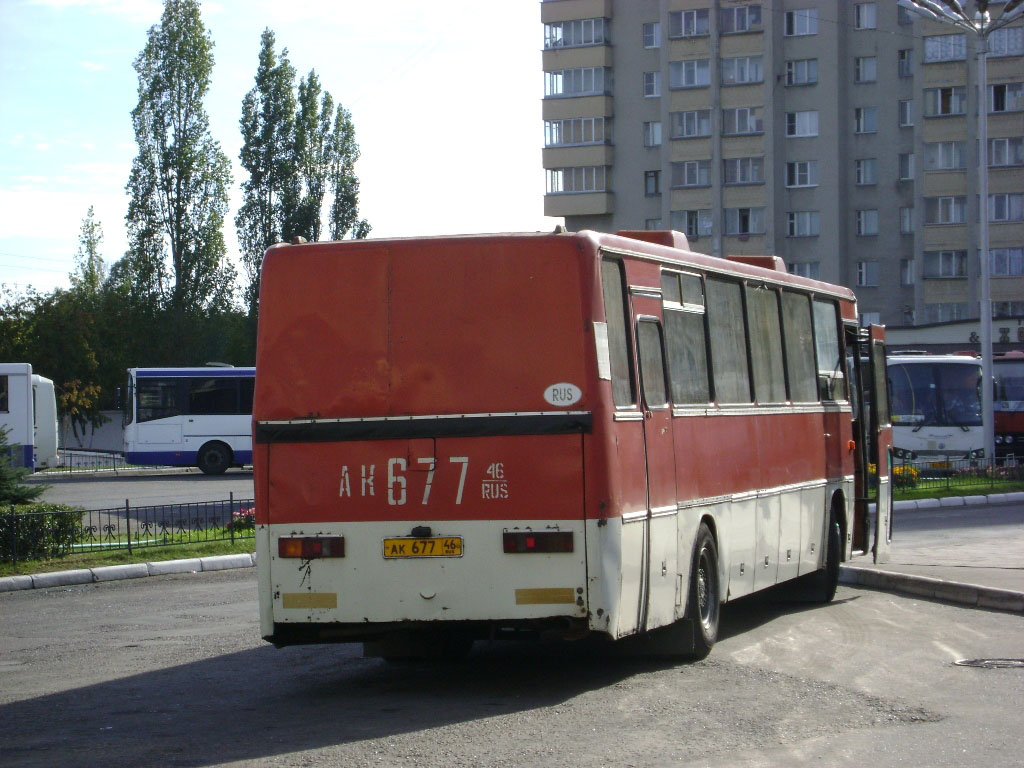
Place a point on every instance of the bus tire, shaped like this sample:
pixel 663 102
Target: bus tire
pixel 214 458
pixel 705 593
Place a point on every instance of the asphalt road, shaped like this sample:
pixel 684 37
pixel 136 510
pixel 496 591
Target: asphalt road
pixel 170 671
pixel 104 491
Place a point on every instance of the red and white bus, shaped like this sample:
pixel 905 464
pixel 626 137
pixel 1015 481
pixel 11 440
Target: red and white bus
pixel 1008 371
pixel 576 432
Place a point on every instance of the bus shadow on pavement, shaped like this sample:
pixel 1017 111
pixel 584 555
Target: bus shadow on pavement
pixel 263 702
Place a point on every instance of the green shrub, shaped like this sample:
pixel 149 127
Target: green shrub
pixel 38 531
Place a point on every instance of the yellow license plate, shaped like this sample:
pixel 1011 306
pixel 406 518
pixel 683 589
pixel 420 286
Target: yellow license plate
pixel 435 546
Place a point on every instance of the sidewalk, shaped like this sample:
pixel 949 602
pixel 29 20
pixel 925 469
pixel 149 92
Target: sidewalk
pixel 982 566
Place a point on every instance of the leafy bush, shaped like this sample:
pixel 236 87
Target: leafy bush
pixel 243 520
pixel 38 531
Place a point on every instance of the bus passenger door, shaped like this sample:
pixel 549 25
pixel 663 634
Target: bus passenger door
pixel 657 605
pixel 881 442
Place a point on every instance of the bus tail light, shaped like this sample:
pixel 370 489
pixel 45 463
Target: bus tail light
pixel 516 542
pixel 311 547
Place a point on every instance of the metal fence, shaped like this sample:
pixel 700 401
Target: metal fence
pixel 31 535
pixel 973 476
pixel 76 461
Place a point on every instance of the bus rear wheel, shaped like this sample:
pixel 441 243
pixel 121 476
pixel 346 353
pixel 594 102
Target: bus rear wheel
pixel 705 593
pixel 214 458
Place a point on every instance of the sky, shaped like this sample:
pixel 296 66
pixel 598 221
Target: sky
pixel 445 98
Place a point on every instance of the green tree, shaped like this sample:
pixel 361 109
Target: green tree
pixel 179 181
pixel 344 153
pixel 313 151
pixel 268 155
pixel 12 490
pixel 90 271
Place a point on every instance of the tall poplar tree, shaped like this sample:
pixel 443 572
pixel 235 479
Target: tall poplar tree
pixel 179 181
pixel 271 193
pixel 345 221
pixel 90 271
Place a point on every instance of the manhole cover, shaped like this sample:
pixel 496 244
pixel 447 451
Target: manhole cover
pixel 991 663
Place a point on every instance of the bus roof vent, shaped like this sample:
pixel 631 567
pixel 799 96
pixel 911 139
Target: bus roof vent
pixel 668 237
pixel 774 263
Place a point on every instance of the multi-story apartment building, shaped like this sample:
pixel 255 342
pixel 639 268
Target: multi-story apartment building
pixel 839 135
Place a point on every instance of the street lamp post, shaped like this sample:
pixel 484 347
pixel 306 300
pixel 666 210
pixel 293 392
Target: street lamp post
pixel 982 25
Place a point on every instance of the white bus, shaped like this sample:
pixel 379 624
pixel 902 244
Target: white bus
pixel 187 417
pixel 28 412
pixel 936 407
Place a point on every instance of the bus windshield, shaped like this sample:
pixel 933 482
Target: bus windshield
pixel 933 394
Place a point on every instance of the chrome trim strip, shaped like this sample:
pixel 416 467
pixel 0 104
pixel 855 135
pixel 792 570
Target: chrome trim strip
pixel 381 419
pixel 629 416
pixel 747 495
pixel 634 517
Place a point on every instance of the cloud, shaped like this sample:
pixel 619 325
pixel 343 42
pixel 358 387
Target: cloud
pixel 91 66
pixel 43 146
pixel 145 10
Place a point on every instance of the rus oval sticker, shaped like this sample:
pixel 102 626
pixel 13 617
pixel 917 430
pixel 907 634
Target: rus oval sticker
pixel 563 395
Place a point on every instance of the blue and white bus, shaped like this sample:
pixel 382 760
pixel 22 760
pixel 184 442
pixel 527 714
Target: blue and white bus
pixel 28 413
pixel 187 417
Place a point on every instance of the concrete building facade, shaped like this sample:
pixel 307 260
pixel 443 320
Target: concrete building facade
pixel 839 135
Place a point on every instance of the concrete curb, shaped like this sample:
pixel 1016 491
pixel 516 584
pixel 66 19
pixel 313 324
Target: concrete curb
pixel 130 571
pixel 937 589
pixel 955 501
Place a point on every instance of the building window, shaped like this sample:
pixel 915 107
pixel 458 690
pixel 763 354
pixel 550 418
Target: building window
pixel 574 131
pixel 945 48
pixel 906 113
pixel 946 312
pixel 907 220
pixel 745 18
pixel 695 73
pixel 945 210
pixel 652 134
pixel 1005 207
pixel 906 271
pixel 1007 309
pixel 693 224
pixel 1006 151
pixel 691 173
pixel 944 155
pixel 687 125
pixel 571 34
pixel 802 123
pixel 585 81
pixel 865 16
pixel 906 163
pixel 652 183
pixel 744 221
pixel 576 180
pixel 742 69
pixel 945 264
pixel 811 269
pixel 1006 97
pixel 869 318
pixel 801 72
pixel 904 15
pixel 867 222
pixel 1008 41
pixel 652 35
pixel 1006 262
pixel 803 223
pixel 802 22
pixel 865 120
pixel 652 84
pixel 865 69
pixel 742 120
pixel 866 171
pixel 802 173
pixel 867 274
pixel 940 102
pixel 744 170
pixel 689 23
pixel 905 61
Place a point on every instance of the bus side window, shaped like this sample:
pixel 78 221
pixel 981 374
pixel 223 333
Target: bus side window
pixel 652 364
pixel 4 407
pixel 730 368
pixel 799 342
pixel 685 340
pixel 831 382
pixel 159 398
pixel 613 282
pixel 766 344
